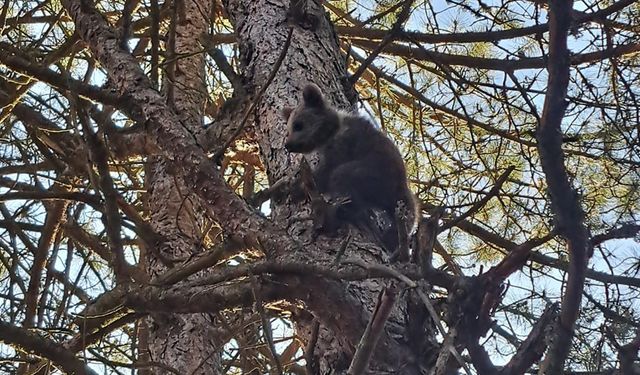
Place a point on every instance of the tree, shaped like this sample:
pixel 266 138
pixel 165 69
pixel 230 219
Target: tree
pixel 146 221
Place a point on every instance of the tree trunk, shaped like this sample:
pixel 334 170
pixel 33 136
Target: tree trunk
pixel 314 56
pixel 175 213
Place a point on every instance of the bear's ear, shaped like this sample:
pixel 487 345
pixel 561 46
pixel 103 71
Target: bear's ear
pixel 312 96
pixel 286 112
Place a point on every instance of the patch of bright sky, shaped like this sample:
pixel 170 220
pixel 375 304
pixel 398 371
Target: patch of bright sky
pixel 446 12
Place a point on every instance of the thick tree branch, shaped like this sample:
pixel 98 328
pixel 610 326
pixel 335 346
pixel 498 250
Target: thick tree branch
pixel 30 342
pixel 367 344
pixel 628 230
pixel 533 347
pixel 628 355
pixel 516 258
pixel 225 67
pixel 179 299
pixel 179 146
pixel 63 81
pixel 56 214
pixel 480 36
pixel 564 199
pixel 506 65
pixel 285 267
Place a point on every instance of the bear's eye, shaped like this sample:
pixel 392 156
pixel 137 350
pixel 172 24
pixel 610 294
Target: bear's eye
pixel 297 126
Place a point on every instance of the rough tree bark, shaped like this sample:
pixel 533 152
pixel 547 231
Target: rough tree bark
pixel 343 311
pixel 175 212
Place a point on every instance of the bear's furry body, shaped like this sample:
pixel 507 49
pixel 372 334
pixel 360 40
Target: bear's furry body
pixel 356 161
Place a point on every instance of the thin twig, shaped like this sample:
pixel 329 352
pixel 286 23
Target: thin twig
pixel 266 324
pixel 218 154
pixel 111 216
pixel 533 347
pixel 482 202
pixel 393 34
pixel 223 64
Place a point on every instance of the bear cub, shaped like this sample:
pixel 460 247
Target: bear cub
pixel 358 165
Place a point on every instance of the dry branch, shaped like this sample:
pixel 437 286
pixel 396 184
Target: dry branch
pixel 30 342
pixel 564 199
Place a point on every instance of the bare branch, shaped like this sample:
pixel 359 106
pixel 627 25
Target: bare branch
pixel 564 199
pixel 534 346
pixel 30 342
